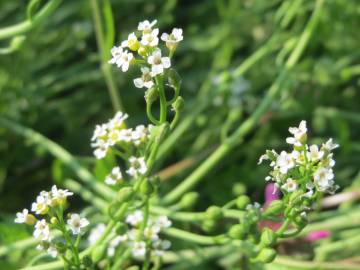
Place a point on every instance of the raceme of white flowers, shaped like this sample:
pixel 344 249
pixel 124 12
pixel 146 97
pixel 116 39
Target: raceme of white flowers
pixel 49 205
pixel 145 42
pixel 307 167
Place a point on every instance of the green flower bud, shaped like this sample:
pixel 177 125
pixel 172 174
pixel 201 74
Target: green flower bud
pixel 275 208
pixel 239 189
pixel 178 104
pixel 151 95
pixel 268 237
pixel 54 221
pixel 214 213
pixel 98 252
pixel 120 228
pixel 208 225
pixel 238 232
pixel 266 255
pixel 189 199
pixel 242 201
pixel 87 262
pixel 146 188
pixel 174 78
pixel 124 194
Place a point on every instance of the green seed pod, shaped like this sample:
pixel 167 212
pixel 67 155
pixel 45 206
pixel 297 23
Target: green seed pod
pixel 214 213
pixel 238 232
pixel 268 237
pixel 189 199
pixel 87 262
pixel 242 201
pixel 174 78
pixel 275 208
pixel 266 255
pixel 120 229
pixel 124 194
pixel 146 188
pixel 239 189
pixel 178 104
pixel 151 95
pixel 208 225
pixel 97 253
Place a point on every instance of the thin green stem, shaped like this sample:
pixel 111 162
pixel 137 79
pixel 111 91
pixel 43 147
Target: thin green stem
pixel 196 238
pixel 23 27
pixel 237 137
pixel 163 105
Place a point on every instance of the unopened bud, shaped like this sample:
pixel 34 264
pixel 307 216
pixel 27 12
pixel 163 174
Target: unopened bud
pixel 30 219
pixel 214 213
pixel 266 255
pixel 237 232
pixel 208 225
pixel 54 221
pixel 142 51
pixel 275 208
pixel 242 201
pixel 268 237
pixel 178 104
pixel 124 194
pixel 189 199
pixel 146 188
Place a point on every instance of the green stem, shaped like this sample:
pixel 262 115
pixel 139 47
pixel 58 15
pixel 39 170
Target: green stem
pixel 102 41
pixel 250 123
pixel 163 105
pixel 196 238
pixel 23 27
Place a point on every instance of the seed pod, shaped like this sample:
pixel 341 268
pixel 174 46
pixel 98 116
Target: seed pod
pixel 124 194
pixel 208 225
pixel 268 237
pixel 151 95
pixel 189 199
pixel 266 255
pixel 178 104
pixel 238 232
pixel 120 228
pixel 242 201
pixel 275 208
pixel 146 188
pixel 214 213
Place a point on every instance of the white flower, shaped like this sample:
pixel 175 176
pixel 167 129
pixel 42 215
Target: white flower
pixel 118 121
pixel 59 195
pixel 140 134
pixel 137 166
pixel 285 161
pixel 173 39
pixel 146 26
pixel 299 134
pixel 96 233
pixel 314 154
pixel 158 63
pixel 125 135
pixel 42 230
pixel 46 246
pixel 76 223
pixel 101 150
pixel 323 178
pixel 115 176
pixel 159 246
pixel 25 217
pixel 40 207
pixel 135 218
pixel 116 53
pixel 124 60
pixel 114 243
pixel 100 132
pixel 145 80
pixel 139 249
pixel 290 185
pixel 151 38
pixel 151 232
pixel 163 222
pixel 328 162
pixel 132 42
pixel 329 145
pixel 262 158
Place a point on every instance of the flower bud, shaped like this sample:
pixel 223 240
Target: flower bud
pixel 146 188
pixel 134 44
pixel 142 51
pixel 268 237
pixel 174 78
pixel 151 95
pixel 30 219
pixel 124 194
pixel 98 252
pixel 239 189
pixel 189 199
pixel 214 213
pixel 238 232
pixel 275 208
pixel 208 225
pixel 54 221
pixel 178 104
pixel 242 201
pixel 266 255
pixel 120 229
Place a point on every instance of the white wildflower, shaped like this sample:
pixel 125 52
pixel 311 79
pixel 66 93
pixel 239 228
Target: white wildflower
pixel 114 177
pixel 59 195
pixel 124 60
pixel 145 80
pixel 285 162
pixel 137 166
pixel 173 39
pixel 46 246
pixel 329 145
pixel 42 230
pixel 314 154
pixel 25 217
pixel 96 233
pixel 158 63
pixel 151 38
pixel 41 206
pixel 290 185
pixel 135 218
pixel 323 178
pixel 116 53
pixel 76 223
pixel 163 222
pixel 139 249
pixel 132 42
pixel 299 134
pixel 146 26
pixel 152 232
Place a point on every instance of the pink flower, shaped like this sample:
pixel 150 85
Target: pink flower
pixel 271 193
pixel 317 235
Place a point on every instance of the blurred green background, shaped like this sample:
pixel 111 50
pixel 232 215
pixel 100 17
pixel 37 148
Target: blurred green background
pixel 52 83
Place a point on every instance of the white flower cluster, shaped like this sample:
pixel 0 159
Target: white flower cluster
pixel 306 167
pixel 114 133
pixel 150 55
pixel 140 243
pixel 46 203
